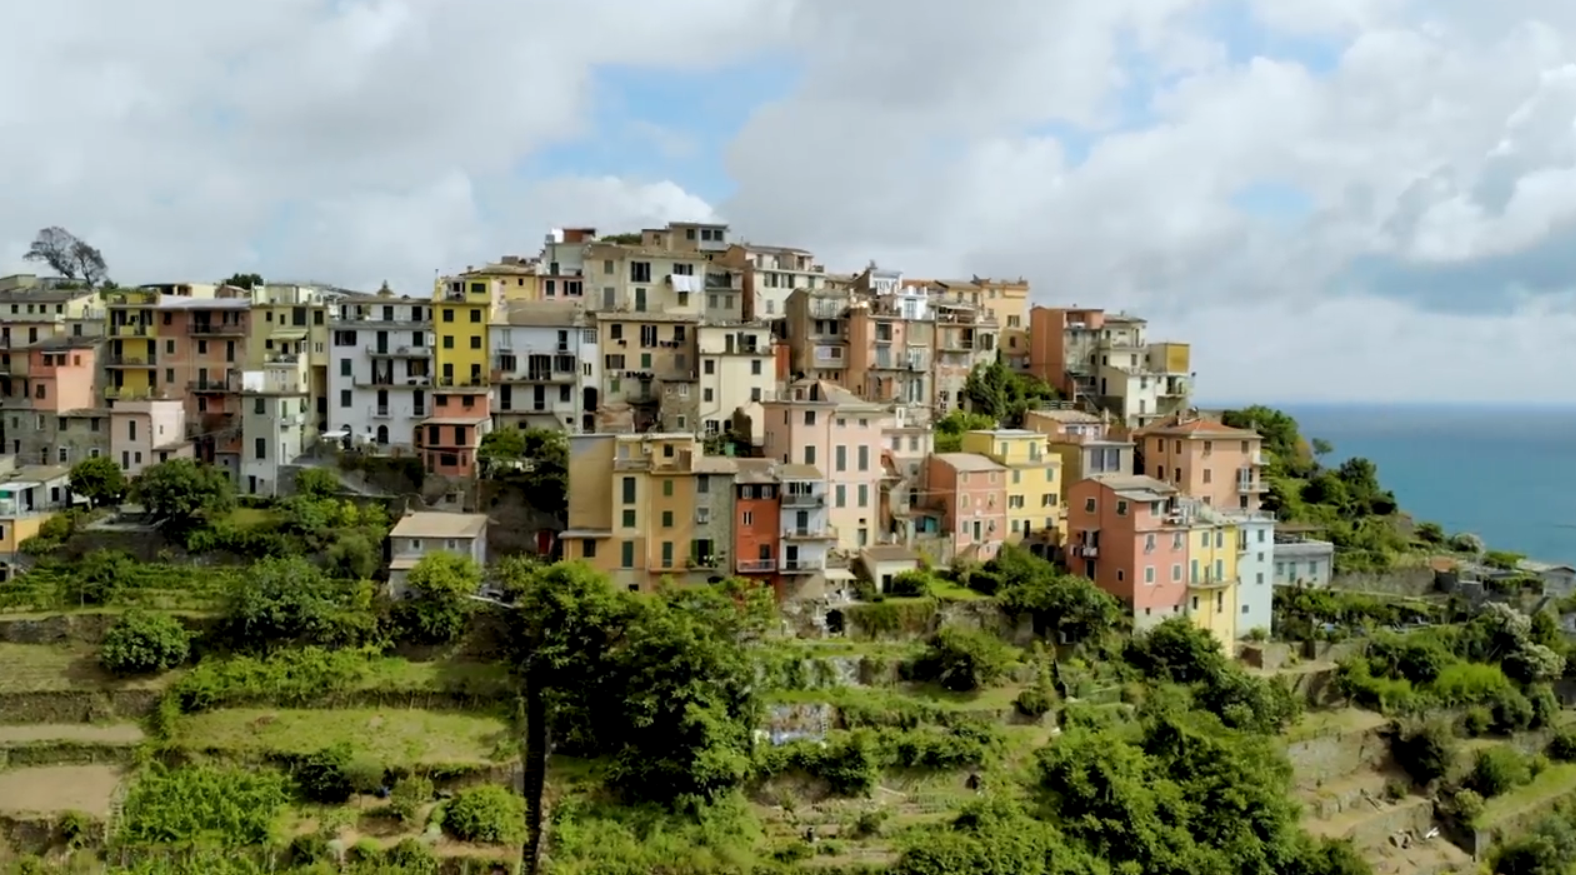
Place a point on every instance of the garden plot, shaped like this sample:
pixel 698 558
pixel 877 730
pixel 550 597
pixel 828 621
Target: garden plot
pixel 388 736
pixel 40 668
pixel 58 789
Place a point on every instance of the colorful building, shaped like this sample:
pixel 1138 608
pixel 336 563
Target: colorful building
pixel 1212 579
pixel 757 519
pixel 1033 481
pixel 61 422
pixel 826 427
pixel 1215 463
pixel 380 379
pixel 463 308
pixel 449 438
pixel 970 491
pixel 1125 533
pixel 546 367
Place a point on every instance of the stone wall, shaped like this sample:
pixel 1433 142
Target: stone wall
pixel 1398 581
pixel 1326 757
pixel 80 628
pixel 1267 655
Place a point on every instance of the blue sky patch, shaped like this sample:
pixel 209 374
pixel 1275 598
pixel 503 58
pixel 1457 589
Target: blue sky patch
pixel 1269 199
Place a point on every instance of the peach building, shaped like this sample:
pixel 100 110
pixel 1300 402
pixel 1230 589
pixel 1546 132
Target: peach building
pixel 1221 465
pixel 756 521
pixel 58 423
pixel 449 439
pixel 144 433
pixel 823 425
pixel 971 491
pixel 1125 532
pixel 1062 348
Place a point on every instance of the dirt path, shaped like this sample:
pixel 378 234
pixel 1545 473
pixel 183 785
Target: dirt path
pixel 55 789
pixel 114 733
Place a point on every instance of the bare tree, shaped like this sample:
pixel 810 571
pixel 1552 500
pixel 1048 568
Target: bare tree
pixel 69 255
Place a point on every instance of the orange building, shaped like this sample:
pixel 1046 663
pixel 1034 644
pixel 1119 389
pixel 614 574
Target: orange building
pixel 1221 465
pixel 1124 533
pixel 757 538
pixel 205 351
pixel 971 491
pixel 449 438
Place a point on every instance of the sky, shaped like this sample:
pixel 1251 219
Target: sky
pixel 1332 200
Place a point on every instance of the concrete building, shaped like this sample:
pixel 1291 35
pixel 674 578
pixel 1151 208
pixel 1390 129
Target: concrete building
pixel 463 308
pixel 1220 465
pixel 1213 581
pixel 757 519
pixel 970 492
pixel 907 441
pixel 29 496
pixel 418 535
pixel 1063 349
pixel 966 337
pixel 275 421
pixel 36 310
pixel 146 432
pixel 1033 482
pixel 770 274
pixel 1084 441
pixel 1255 569
pixel 288 319
pixel 205 345
pixel 1302 560
pixel 736 370
pixel 648 278
pixel 449 438
pixel 63 423
pixel 380 378
pixel 712 543
pixel 891 344
pixel 649 373
pixel 807 533
pixel 546 367
pixel 882 563
pixel 1125 533
pixel 1007 302
pixel 632 504
pixel 818 329
pixel 827 427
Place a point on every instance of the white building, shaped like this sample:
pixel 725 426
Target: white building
pixel 380 368
pixel 773 273
pixel 738 367
pixel 275 403
pixel 545 368
pixel 421 534
pixel 807 532
pixel 1255 568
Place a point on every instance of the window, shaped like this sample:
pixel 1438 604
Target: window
pixel 1121 508
pixel 587 548
pixel 626 558
pixel 840 454
pixel 667 554
pixel 261 449
pixel 864 457
pixel 476 341
pixel 628 518
pixel 629 490
pixel 667 519
pixel 1149 575
pixel 448 314
pixel 1176 573
pixel 1088 505
pixel 840 495
pixel 864 495
pixel 344 397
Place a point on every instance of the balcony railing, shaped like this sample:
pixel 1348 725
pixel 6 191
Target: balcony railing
pixel 128 329
pixel 803 566
pixel 216 329
pixel 132 361
pixel 804 499
pixel 406 351
pixel 478 382
pixel 811 533
pixel 757 566
pixel 212 385
pixel 1087 551
pixel 1251 487
pixel 632 463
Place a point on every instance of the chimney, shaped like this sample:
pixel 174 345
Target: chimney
pixel 384 291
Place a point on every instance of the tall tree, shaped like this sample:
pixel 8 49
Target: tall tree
pixel 244 280
pixel 69 256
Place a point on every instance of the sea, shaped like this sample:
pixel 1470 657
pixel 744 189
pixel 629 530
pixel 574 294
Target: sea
pixel 1506 474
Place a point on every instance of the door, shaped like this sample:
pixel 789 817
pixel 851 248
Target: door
pixel 640 300
pixel 383 341
pixel 801 521
pixel 790 557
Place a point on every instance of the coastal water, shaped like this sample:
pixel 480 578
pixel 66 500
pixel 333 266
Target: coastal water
pixel 1508 475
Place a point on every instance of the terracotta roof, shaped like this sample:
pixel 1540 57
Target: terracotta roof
pixel 1202 428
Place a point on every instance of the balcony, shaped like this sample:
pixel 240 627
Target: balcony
pixel 501 376
pixel 1257 458
pixel 632 463
pixel 804 566
pixel 1210 581
pixel 399 351
pixel 463 384
pixel 757 566
pixel 141 298
pixel 389 381
pixel 212 385
pixel 131 361
pixel 1251 487
pixel 804 499
pixel 1086 551
pixel 131 329
pixel 381 412
pixel 133 393
pixel 216 329
pixel 814 532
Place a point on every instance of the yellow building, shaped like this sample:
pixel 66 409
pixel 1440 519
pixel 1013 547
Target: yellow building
pixel 462 310
pixel 1007 301
pixel 291 320
pixel 1034 480
pixel 516 278
pixel 131 357
pixel 632 501
pixel 33 311
pixel 1212 583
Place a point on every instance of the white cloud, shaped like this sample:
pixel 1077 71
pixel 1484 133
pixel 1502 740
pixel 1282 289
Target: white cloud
pixel 370 139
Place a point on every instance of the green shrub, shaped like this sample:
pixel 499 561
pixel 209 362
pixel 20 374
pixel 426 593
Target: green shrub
pixel 488 813
pixel 74 828
pixel 1498 770
pixel 1425 750
pixel 963 660
pixel 1476 721
pixel 1512 711
pixel 411 857
pixel 409 795
pixel 1562 747
pixel 1466 805
pixel 1545 706
pixel 909 584
pixel 869 823
pixel 321 775
pixel 1033 702
pixel 141 642
pixel 306 850
pixel 1468 683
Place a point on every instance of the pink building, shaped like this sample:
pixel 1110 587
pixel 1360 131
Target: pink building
pixel 1119 536
pixel 449 439
pixel 821 424
pixel 61 374
pixel 971 492
pixel 144 433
